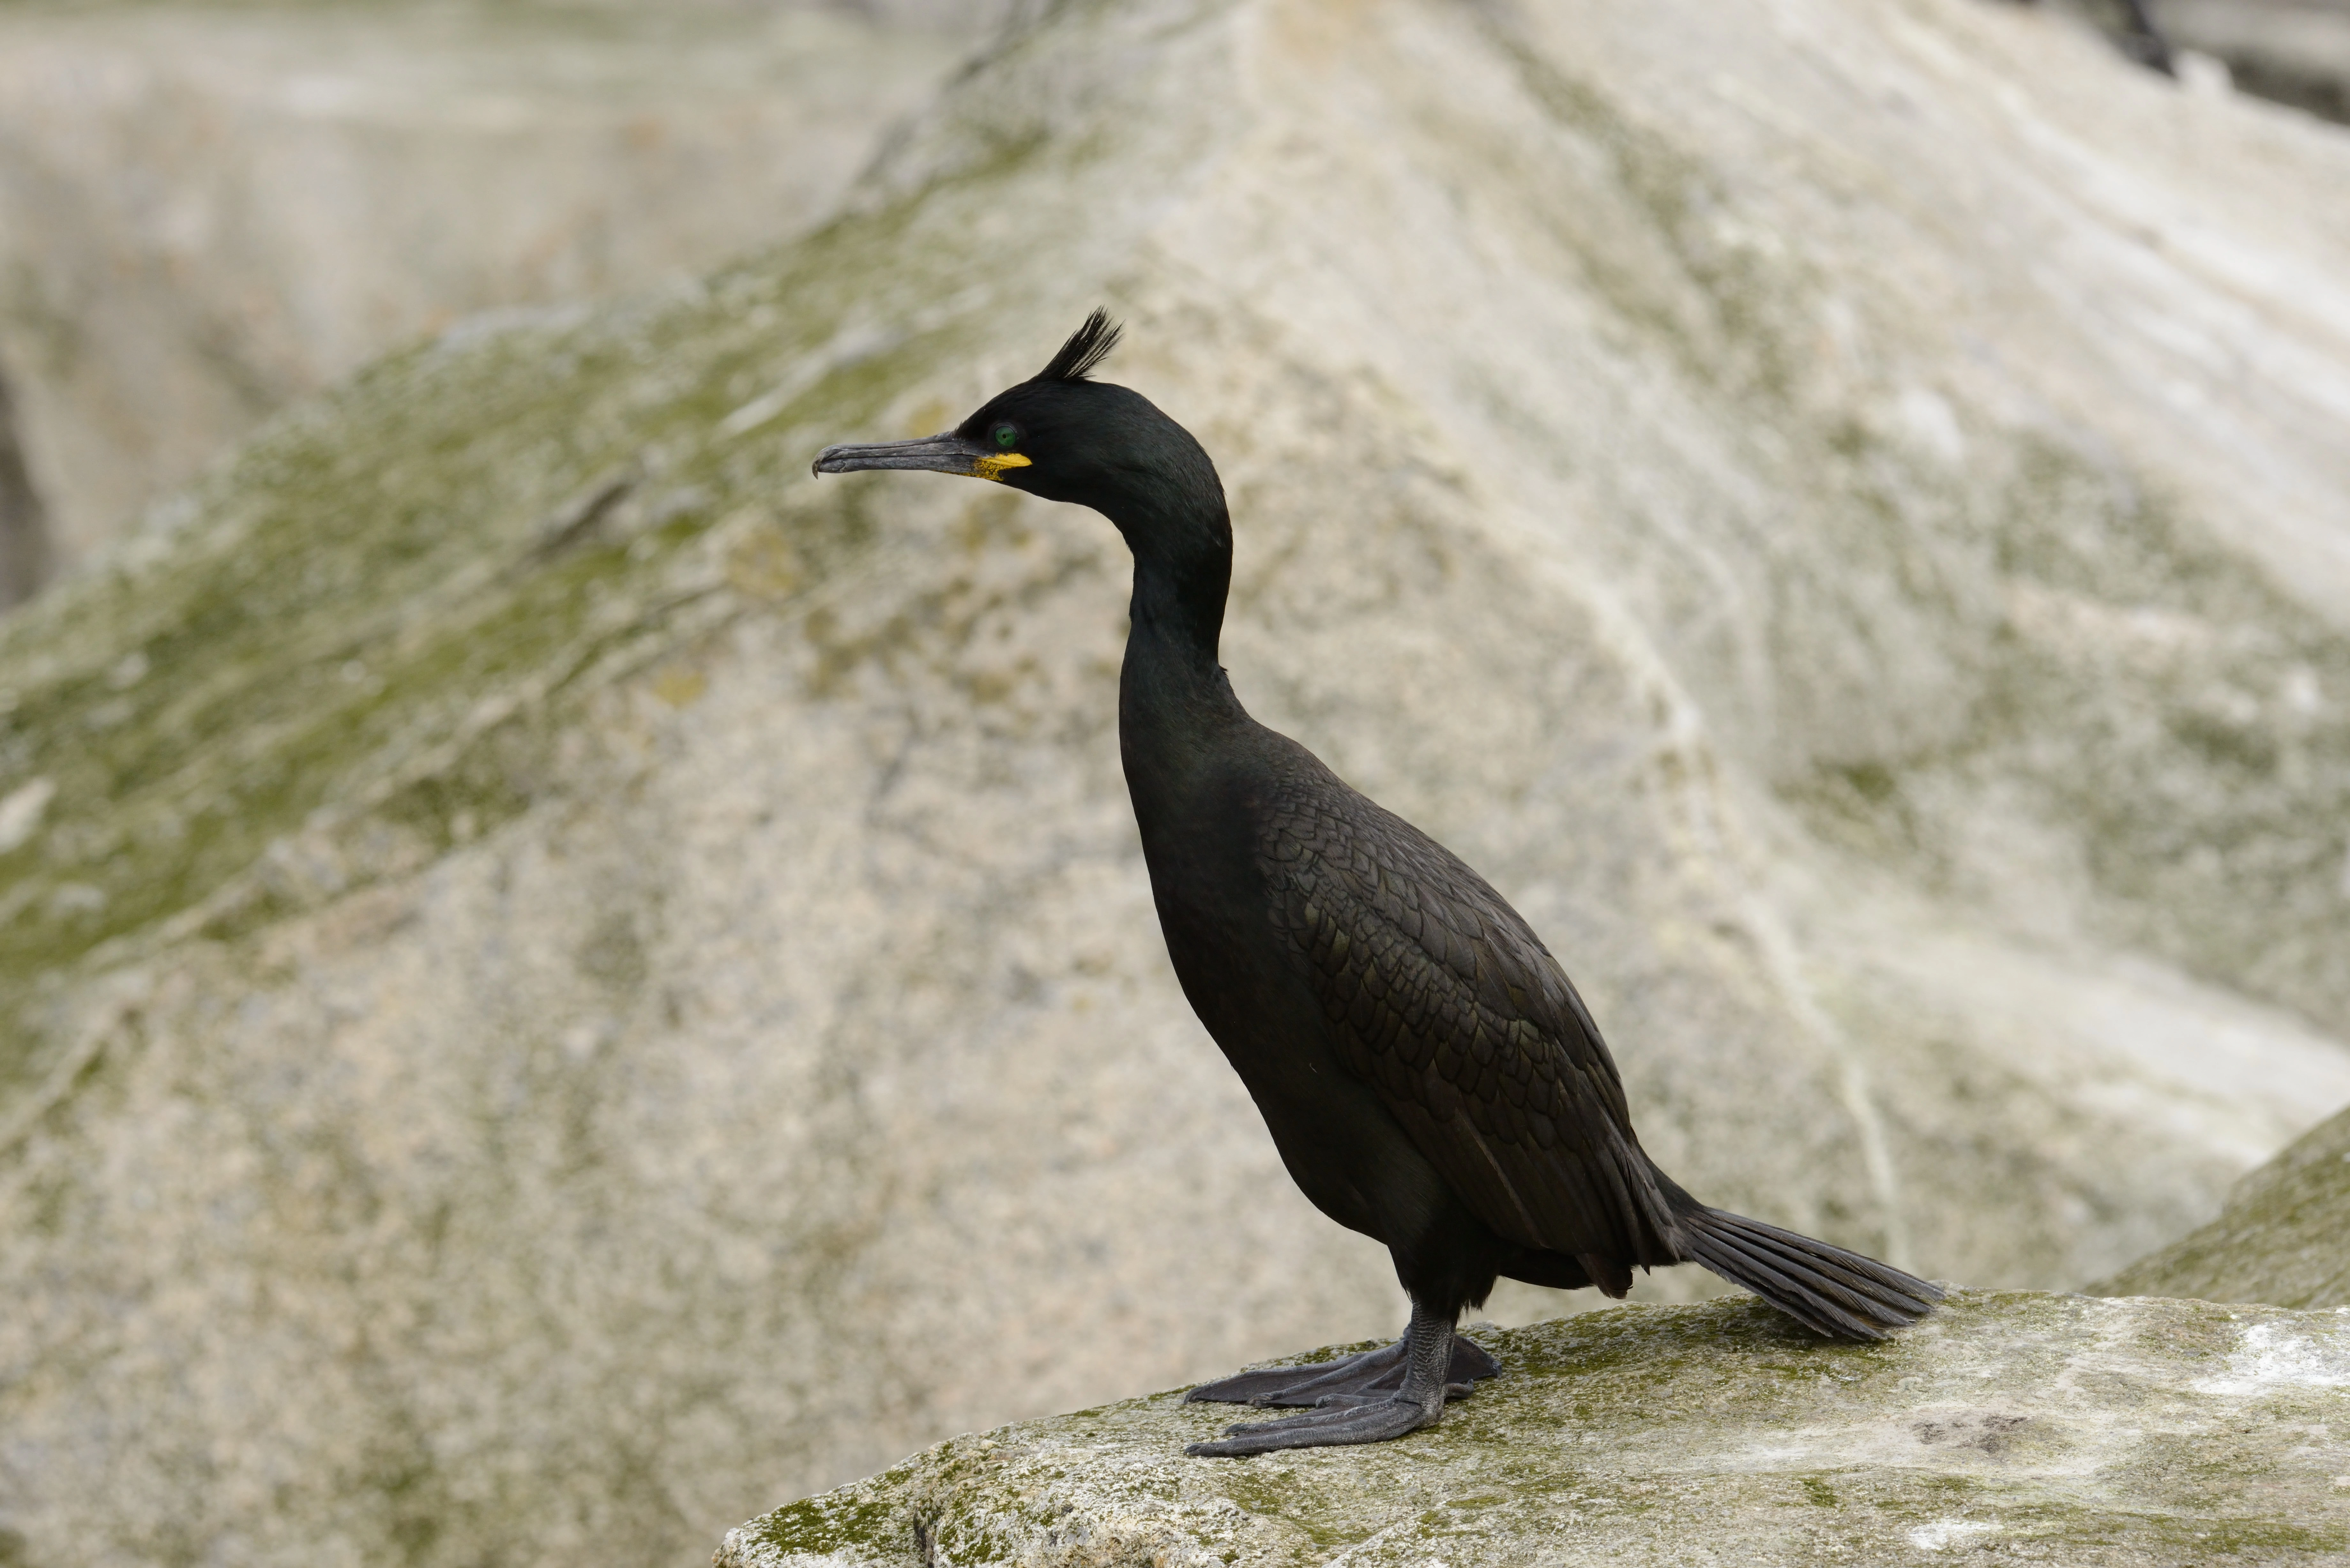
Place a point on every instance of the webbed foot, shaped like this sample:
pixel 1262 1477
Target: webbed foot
pixel 1368 1375
pixel 1364 1398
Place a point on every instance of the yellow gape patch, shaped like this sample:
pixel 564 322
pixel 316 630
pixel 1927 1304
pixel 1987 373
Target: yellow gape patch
pixel 993 467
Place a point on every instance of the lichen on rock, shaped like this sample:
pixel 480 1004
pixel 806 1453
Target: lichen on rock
pixel 2051 1429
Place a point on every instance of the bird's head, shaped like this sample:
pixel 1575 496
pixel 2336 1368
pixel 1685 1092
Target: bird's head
pixel 1064 436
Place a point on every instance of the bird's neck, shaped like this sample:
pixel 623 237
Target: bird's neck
pixel 1175 708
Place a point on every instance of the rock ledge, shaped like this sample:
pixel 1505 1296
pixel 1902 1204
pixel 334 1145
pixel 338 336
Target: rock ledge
pixel 2019 1425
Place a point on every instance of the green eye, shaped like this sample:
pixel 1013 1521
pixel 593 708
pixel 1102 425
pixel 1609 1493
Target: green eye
pixel 1007 437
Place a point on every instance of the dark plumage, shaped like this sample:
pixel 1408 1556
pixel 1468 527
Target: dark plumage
pixel 1426 1068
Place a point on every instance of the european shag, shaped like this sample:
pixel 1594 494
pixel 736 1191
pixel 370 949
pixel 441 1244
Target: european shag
pixel 1427 1070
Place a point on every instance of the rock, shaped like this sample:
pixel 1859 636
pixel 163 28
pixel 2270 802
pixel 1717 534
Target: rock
pixel 207 209
pixel 2295 51
pixel 24 520
pixel 563 982
pixel 2054 1428
pixel 2279 1239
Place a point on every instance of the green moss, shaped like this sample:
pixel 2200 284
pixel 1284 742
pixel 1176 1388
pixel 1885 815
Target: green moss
pixel 834 1521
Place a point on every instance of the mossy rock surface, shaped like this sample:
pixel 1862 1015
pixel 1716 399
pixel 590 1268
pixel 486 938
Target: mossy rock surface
pixel 2013 1426
pixel 2284 1238
pixel 346 176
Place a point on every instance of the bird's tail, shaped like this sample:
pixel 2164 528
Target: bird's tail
pixel 1841 1294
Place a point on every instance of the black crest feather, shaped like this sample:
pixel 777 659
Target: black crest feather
pixel 1088 347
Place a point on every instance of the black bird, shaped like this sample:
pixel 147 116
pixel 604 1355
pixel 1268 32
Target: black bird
pixel 1423 1063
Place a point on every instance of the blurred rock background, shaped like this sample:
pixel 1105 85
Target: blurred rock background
pixel 562 982
pixel 209 210
pixel 2289 51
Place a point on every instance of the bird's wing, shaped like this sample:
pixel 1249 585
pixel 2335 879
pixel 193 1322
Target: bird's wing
pixel 1443 1000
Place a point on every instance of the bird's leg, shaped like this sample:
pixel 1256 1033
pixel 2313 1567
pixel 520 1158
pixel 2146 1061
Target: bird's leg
pixel 1365 1415
pixel 1372 1372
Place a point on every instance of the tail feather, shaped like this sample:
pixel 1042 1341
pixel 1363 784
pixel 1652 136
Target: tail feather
pixel 1838 1293
pixel 1831 1270
pixel 1787 1288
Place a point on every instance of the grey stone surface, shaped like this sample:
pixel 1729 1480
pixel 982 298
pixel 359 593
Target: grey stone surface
pixel 565 981
pixel 2007 1427
pixel 208 210
pixel 2283 1237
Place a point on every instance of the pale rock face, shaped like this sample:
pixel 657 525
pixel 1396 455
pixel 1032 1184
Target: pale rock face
pixel 568 982
pixel 2133 1433
pixel 206 210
